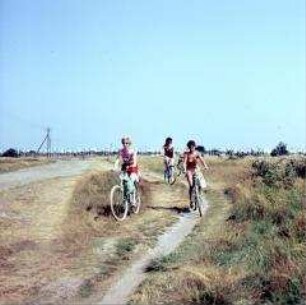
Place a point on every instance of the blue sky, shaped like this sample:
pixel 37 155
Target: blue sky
pixel 226 73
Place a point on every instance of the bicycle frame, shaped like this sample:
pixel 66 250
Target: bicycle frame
pixel 168 170
pixel 128 191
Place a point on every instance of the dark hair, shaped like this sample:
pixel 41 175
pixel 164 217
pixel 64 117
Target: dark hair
pixel 168 141
pixel 191 143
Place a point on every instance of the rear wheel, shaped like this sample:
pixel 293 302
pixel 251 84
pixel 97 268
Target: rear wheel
pixel 119 204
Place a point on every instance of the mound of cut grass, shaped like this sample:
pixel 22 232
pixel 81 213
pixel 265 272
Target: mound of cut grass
pixel 93 193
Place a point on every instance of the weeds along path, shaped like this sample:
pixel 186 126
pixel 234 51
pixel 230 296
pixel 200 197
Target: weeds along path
pixel 127 282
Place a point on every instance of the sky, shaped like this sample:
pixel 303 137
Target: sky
pixel 229 74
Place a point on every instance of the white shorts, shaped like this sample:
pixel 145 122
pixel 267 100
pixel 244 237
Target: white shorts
pixel 169 161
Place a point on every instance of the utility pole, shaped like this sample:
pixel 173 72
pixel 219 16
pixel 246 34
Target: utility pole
pixel 48 140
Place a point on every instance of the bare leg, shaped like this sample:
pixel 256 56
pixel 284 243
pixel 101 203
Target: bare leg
pixel 189 180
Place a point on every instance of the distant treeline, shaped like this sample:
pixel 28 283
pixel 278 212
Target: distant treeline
pixel 279 150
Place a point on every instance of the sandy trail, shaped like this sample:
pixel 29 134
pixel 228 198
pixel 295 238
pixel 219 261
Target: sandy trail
pixel 49 171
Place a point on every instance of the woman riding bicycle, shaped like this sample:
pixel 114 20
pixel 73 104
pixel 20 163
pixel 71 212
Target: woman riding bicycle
pixel 168 154
pixel 191 161
pixel 125 197
pixel 128 159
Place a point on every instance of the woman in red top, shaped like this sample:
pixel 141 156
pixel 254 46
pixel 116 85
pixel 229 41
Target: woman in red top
pixel 191 161
pixel 127 157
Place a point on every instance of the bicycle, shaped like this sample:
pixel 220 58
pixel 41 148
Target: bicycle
pixel 197 199
pixel 172 172
pixel 169 174
pixel 124 198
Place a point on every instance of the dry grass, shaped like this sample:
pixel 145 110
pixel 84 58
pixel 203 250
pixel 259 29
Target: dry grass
pixel 153 164
pixel 13 164
pixel 28 235
pixel 249 250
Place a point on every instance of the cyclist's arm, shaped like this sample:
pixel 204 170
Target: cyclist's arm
pixel 162 152
pixel 202 161
pixel 134 159
pixel 185 163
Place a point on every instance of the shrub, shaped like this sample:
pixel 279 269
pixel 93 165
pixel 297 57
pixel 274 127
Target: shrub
pixel 13 153
pixel 279 174
pixel 280 150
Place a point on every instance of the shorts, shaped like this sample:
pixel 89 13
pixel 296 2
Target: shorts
pixel 168 161
pixel 133 172
pixel 200 177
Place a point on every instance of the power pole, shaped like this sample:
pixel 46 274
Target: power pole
pixel 48 140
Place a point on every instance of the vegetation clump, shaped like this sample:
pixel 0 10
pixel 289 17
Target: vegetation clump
pixel 280 150
pixel 256 254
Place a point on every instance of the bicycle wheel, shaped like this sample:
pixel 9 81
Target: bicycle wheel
pixel 137 202
pixel 169 174
pixel 200 202
pixel 119 205
pixel 172 175
pixel 166 175
pixel 193 200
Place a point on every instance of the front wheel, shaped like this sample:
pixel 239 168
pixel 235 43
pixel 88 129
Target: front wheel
pixel 200 202
pixel 137 202
pixel 119 204
pixel 172 175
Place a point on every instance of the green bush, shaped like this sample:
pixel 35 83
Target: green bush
pixel 280 150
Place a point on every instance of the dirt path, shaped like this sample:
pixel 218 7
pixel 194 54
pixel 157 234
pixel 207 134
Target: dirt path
pixel 126 283
pixel 49 171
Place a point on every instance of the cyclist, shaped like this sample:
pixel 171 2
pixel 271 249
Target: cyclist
pixel 168 154
pixel 191 161
pixel 128 158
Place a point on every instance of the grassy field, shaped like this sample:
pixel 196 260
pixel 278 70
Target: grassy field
pixel 13 164
pixel 251 246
